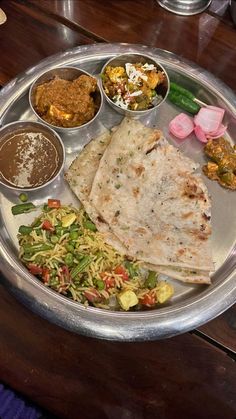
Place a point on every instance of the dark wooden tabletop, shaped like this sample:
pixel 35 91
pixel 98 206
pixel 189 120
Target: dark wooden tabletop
pixel 189 376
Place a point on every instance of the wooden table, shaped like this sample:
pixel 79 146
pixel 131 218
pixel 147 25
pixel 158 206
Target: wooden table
pixel 189 376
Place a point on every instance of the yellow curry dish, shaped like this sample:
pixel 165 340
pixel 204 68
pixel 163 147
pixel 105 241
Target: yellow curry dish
pixel 222 166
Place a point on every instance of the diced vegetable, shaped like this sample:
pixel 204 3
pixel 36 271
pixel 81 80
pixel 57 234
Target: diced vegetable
pixel 22 208
pixel 151 280
pixel 45 275
pixel 132 270
pixel 127 299
pixel 69 219
pixel 90 225
pixel 164 292
pixel 54 203
pixel 23 197
pixel 25 229
pixel 148 299
pixel 120 270
pixel 35 269
pixel 47 225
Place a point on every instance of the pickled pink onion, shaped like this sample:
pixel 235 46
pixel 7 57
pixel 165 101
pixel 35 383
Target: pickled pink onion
pixel 209 119
pixel 181 126
pixel 200 134
pixel 207 124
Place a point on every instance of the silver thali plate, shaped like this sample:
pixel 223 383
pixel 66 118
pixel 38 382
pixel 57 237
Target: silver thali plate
pixel 192 305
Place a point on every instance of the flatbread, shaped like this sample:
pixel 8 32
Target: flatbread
pixel 153 200
pixel 80 176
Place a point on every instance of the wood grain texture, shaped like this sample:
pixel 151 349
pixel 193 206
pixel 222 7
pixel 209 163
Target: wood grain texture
pixel 77 377
pixel 202 38
pixel 223 329
pixel 28 36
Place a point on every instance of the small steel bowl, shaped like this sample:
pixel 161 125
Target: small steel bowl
pixel 120 61
pixel 20 155
pixel 67 73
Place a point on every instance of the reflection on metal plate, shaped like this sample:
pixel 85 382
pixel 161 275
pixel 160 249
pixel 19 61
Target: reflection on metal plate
pixel 192 305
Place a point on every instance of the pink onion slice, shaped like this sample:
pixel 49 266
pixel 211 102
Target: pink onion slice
pixel 200 134
pixel 216 134
pixel 181 126
pixel 209 119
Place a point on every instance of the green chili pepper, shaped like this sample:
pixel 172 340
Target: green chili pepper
pixel 25 230
pixel 151 280
pixel 89 225
pixel 21 208
pixel 184 102
pixel 81 266
pixel 174 87
pixel 23 197
pixel 39 247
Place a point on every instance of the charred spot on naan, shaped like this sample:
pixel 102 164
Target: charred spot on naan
pixel 187 215
pixel 201 235
pixel 193 191
pixel 136 191
pixel 138 169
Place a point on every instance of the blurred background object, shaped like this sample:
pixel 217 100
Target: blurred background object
pixel 3 17
pixel 233 10
pixel 185 7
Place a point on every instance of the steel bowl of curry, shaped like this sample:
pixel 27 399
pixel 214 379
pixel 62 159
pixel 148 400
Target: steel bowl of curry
pixel 134 84
pixel 32 155
pixel 66 98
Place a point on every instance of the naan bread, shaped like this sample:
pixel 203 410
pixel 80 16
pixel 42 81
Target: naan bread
pixel 153 201
pixel 80 176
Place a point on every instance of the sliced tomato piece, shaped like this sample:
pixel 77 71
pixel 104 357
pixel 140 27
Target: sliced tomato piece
pixel 47 225
pixel 35 269
pixel 120 270
pixel 54 203
pixel 45 275
pixel 109 282
pixel 148 300
pixel 92 295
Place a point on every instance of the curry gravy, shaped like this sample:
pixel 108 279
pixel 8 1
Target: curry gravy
pixel 28 159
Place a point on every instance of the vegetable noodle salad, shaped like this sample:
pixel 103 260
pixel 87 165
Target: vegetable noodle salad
pixel 63 248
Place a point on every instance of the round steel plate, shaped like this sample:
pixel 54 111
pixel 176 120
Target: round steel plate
pixel 192 305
